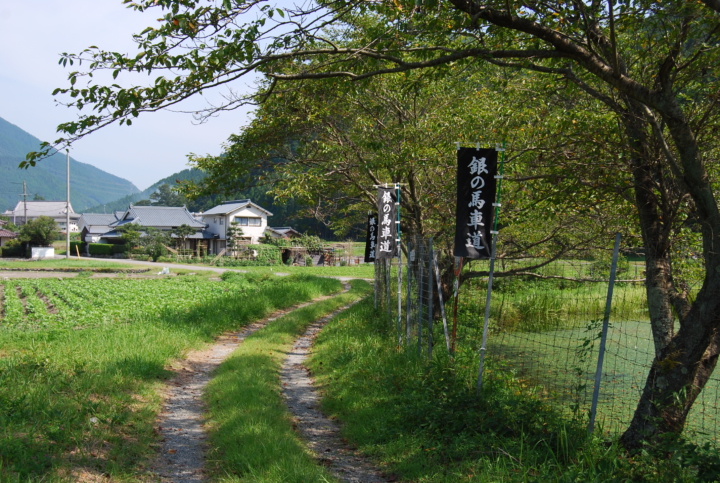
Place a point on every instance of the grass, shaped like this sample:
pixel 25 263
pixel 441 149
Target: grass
pixel 63 263
pixel 84 402
pixel 421 419
pixel 366 270
pixel 251 432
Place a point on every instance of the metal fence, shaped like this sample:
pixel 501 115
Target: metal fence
pixel 545 332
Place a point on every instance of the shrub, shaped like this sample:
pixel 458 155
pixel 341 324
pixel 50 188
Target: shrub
pixel 12 251
pixel 80 247
pixel 39 232
pixel 122 248
pixel 100 249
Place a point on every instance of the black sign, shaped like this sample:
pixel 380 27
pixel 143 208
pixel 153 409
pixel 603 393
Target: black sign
pixel 371 239
pixel 387 228
pixel 475 197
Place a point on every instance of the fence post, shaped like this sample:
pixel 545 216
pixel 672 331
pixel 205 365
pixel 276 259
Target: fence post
pixel 419 256
pixel 603 337
pixel 440 298
pixel 430 297
pixel 412 246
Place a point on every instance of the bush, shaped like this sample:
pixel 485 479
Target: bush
pixel 268 254
pixel 39 232
pixel 100 249
pixel 80 247
pixel 165 260
pixel 12 251
pixel 122 248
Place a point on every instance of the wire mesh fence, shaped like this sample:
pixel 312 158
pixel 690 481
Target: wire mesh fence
pixel 546 330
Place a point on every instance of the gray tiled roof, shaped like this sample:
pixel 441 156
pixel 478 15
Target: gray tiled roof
pixel 230 206
pixel 53 209
pixel 159 216
pixel 97 218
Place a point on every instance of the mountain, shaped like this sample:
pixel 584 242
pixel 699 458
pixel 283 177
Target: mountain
pixel 121 204
pixel 89 186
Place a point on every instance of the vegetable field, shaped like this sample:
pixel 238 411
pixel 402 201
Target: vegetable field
pixel 80 303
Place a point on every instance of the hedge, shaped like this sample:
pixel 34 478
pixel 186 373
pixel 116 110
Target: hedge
pixel 16 251
pixel 100 249
pixel 121 248
pixel 80 247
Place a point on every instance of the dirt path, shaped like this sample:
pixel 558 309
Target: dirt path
pixel 321 434
pixel 180 423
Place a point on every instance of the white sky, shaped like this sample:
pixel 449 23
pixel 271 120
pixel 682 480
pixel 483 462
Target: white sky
pixel 32 37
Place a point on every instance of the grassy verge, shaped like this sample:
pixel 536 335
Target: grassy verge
pixel 250 430
pixel 79 404
pixel 423 420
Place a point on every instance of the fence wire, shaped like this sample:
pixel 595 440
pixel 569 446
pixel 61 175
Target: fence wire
pixel 546 332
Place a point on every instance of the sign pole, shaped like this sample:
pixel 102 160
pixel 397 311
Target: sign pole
pixel 494 234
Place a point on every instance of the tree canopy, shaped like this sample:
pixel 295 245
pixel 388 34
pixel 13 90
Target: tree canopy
pixel 650 68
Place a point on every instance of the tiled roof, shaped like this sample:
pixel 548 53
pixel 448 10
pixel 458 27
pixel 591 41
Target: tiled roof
pixel 157 216
pixel 97 218
pixel 230 206
pixel 53 209
pixel 7 233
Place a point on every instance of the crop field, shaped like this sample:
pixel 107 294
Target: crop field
pixel 79 303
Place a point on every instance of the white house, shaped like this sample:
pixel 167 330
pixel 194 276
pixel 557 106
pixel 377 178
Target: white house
pixel 251 218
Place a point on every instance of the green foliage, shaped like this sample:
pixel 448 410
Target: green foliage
pixel 130 234
pixel 80 246
pixel 100 248
pixel 39 232
pixel 12 251
pixel 182 232
pixel 234 232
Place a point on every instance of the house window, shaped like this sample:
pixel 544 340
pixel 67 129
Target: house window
pixel 247 221
pixel 222 221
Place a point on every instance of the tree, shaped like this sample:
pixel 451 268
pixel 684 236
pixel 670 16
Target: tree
pixel 234 232
pixel 165 196
pixel 652 64
pixel 155 241
pixel 182 232
pixel 130 234
pixel 39 232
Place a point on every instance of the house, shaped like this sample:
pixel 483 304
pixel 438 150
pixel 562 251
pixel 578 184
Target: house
pixel 251 218
pixel 164 218
pixel 93 225
pixel 6 235
pixel 30 210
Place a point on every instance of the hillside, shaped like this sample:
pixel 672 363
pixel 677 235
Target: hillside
pixel 122 203
pixel 89 186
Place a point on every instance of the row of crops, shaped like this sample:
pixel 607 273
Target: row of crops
pixel 78 303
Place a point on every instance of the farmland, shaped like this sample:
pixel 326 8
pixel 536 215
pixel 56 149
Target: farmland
pixel 82 362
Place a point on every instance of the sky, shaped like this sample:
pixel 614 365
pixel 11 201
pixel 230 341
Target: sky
pixel 32 37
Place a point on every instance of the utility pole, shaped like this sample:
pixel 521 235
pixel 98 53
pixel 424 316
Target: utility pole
pixel 67 209
pixel 25 203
